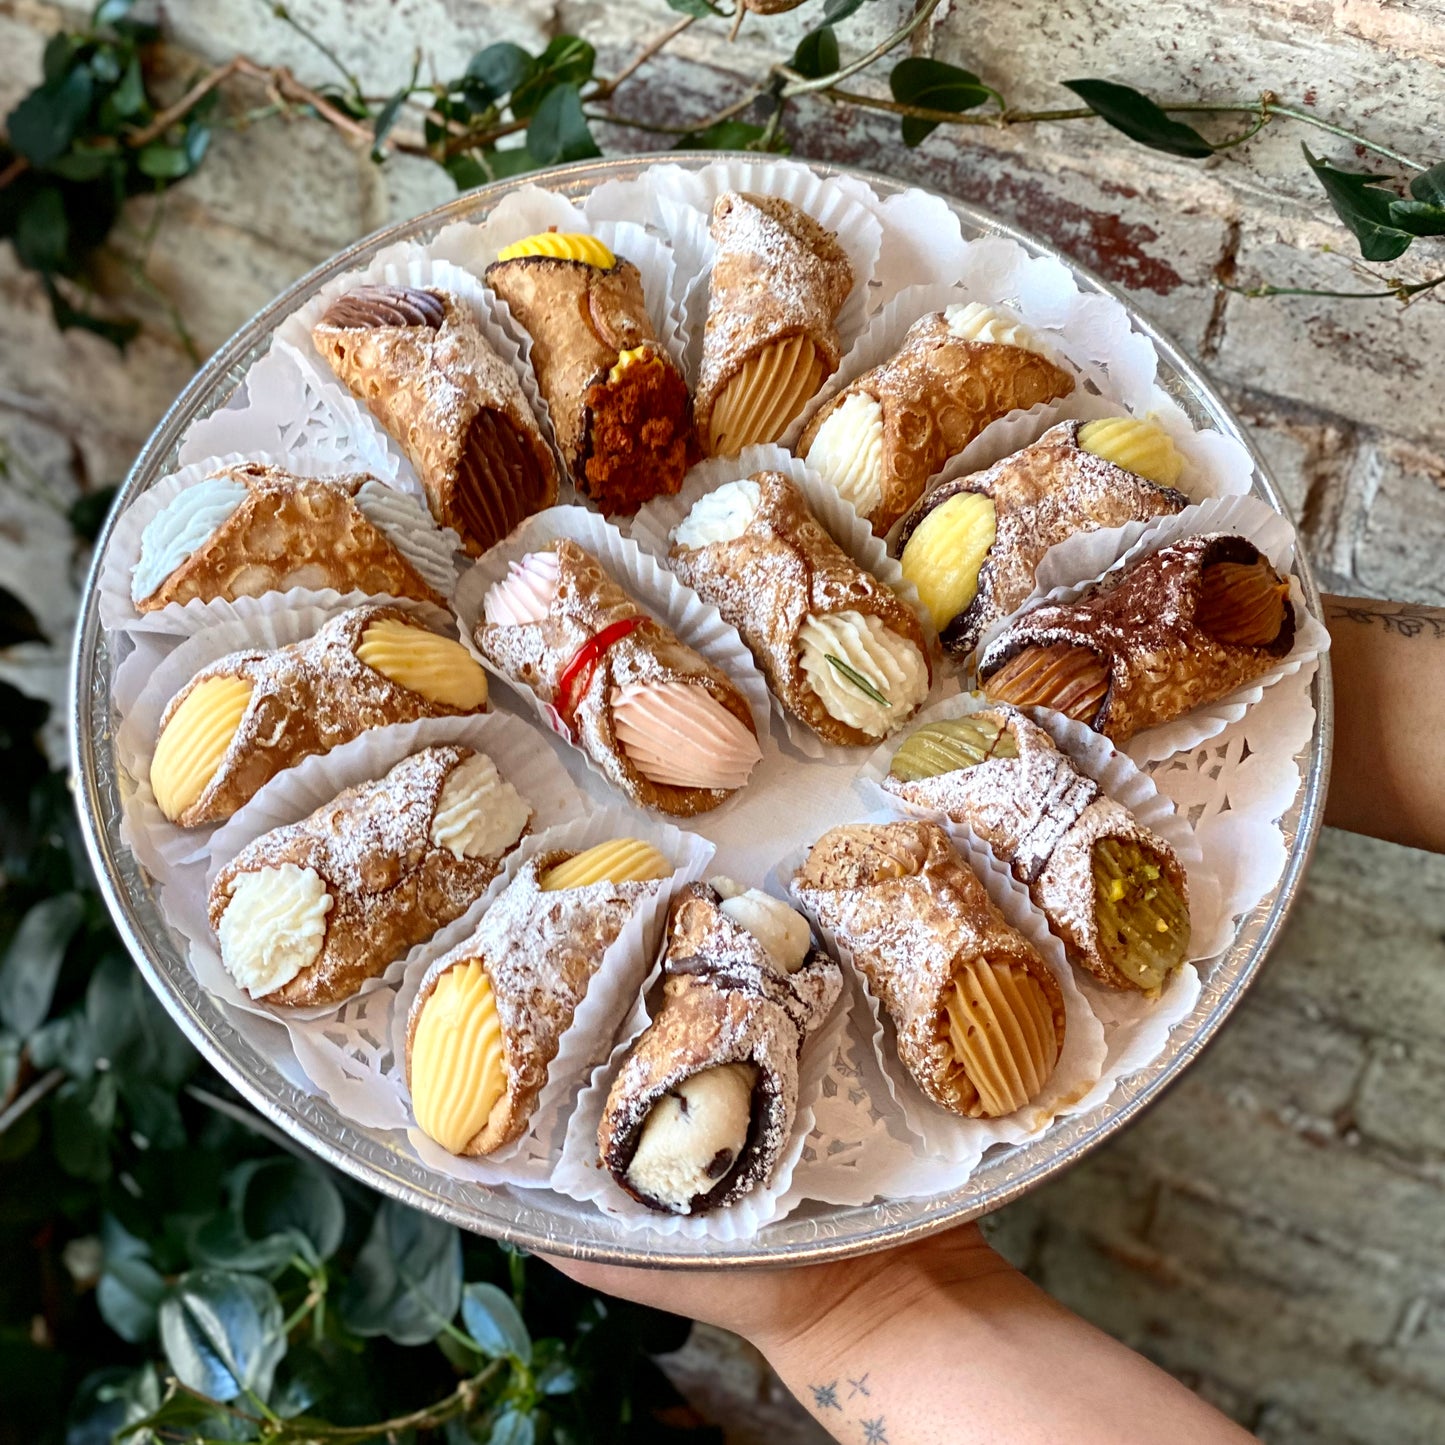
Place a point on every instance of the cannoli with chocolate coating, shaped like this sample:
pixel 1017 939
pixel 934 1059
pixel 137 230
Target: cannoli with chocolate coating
pixel 779 279
pixel 705 1100
pixel 618 402
pixel 883 435
pixel 980 1017
pixel 249 529
pixel 840 651
pixel 247 717
pixel 972 547
pixel 662 723
pixel 489 1016
pixel 1114 892
pixel 419 360
pixel 1183 626
pixel 308 912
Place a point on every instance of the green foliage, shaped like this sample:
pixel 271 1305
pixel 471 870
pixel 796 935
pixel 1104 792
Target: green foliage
pixel 81 144
pixel 1384 223
pixel 934 85
pixel 172 1273
pixel 1132 112
pixel 817 53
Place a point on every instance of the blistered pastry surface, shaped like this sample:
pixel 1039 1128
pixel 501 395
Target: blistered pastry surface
pixel 392 885
pixel 782 569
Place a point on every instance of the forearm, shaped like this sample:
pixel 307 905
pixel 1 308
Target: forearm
pixel 1388 778
pixel 956 1348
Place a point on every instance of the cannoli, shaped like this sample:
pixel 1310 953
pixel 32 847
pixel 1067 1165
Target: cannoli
pixel 419 360
pixel 778 281
pixel 840 651
pixel 972 547
pixel 248 529
pixel 308 912
pixel 247 717
pixel 980 1017
pixel 705 1099
pixel 660 721
pixel 882 436
pixel 490 1014
pixel 1114 892
pixel 619 405
pixel 1184 626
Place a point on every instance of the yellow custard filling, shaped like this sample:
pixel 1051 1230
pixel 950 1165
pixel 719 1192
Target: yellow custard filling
pixel 946 552
pixel 626 360
pixel 441 670
pixel 457 1071
pixel 765 394
pixel 1001 1032
pixel 563 245
pixel 1139 445
pixel 193 742
pixel 620 860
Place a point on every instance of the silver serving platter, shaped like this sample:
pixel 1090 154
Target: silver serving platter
pixel 540 1220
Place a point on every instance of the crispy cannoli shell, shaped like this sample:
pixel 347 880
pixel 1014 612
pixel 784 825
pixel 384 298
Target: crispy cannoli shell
pixel 776 273
pixel 1042 495
pixel 391 887
pixel 936 395
pixel 307 698
pixel 539 951
pixel 455 407
pixel 289 532
pixel 766 582
pixel 536 655
pixel 908 935
pixel 723 1003
pixel 1042 816
pixel 1141 624
pixel 580 318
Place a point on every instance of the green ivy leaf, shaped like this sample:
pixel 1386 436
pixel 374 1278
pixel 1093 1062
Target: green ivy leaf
pixel 87 513
pixel 935 85
pixel 1419 218
pixel 385 119
pixel 1363 205
pixel 163 162
pixel 129 1297
pixel 17 621
pixel 817 53
pixel 1140 119
pixel 515 161
pixel 513 1427
pixel 221 1333
pixel 1429 186
pixel 86 163
pixel 407 1281
pixel 495 1323
pixel 43 125
pixel 82 1118
pixel 154 1114
pixel 222 1243
pixel 724 135
pixel 499 70
pixel 700 8
pixel 129 97
pixel 836 10
pixel 466 171
pixel 567 60
pixel 32 962
pixel 42 231
pixel 280 1196
pixel 559 131
pixel 108 1400
pixel 108 12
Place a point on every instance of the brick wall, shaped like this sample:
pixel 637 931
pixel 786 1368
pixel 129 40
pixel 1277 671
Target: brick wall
pixel 1272 1231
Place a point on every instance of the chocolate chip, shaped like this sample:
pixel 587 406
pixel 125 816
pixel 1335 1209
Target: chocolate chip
pixel 720 1163
pixel 387 306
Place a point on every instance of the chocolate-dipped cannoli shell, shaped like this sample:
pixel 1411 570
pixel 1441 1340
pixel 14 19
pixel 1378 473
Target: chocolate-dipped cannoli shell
pixel 1042 496
pixel 540 951
pixel 1042 816
pixel 306 698
pixel 1140 623
pixel 391 887
pixel 581 317
pixel 292 531
pixel 420 362
pixel 768 581
pixel 723 1003
pixel 937 393
pixel 536 655
pixel 909 934
pixel 776 273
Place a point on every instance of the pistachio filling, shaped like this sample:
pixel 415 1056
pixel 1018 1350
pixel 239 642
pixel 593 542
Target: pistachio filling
pixel 1143 920
pixel 950 745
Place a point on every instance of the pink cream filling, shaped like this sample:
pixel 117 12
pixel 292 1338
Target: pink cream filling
pixel 525 593
pixel 681 737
